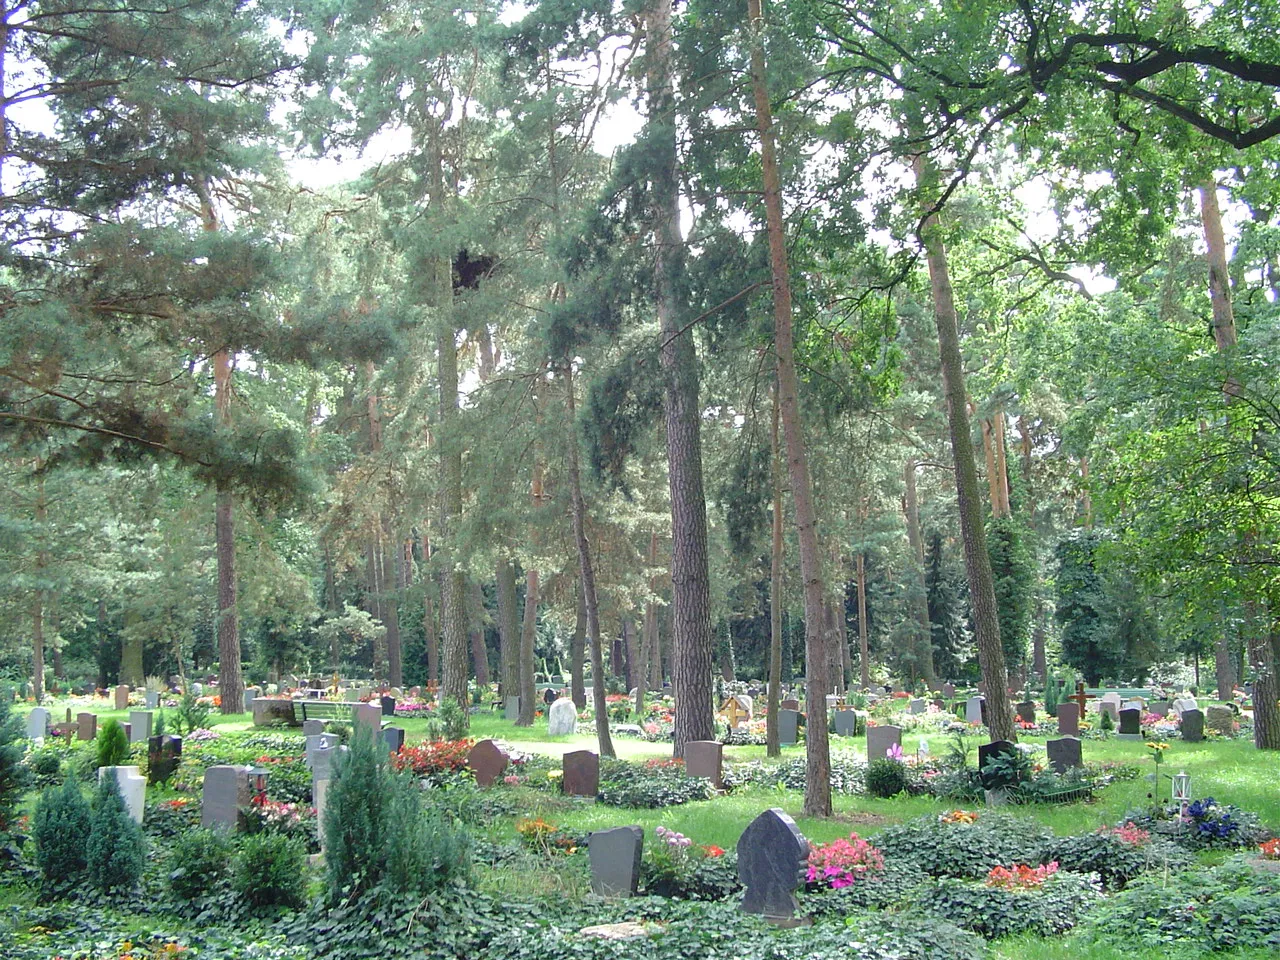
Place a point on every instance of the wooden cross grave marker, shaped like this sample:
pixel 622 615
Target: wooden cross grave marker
pixel 1081 698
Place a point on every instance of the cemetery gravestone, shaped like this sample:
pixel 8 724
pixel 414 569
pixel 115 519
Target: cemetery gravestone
pixel 164 753
pixel 772 862
pixel 880 740
pixel 1065 754
pixel 562 719
pixel 705 758
pixel 736 712
pixel 37 723
pixel 511 709
pixel 152 699
pixel 128 731
pixel 789 704
pixel 139 726
pixel 226 790
pixel 581 773
pixel 948 690
pixel 250 694
pixel 393 738
pixel 1221 719
pixel 916 707
pixel 975 710
pixel 615 861
pixel 1130 724
pixel 1192 726
pixel 388 705
pixel 1068 720
pixel 312 728
pixel 86 726
pixel 369 714
pixel 1182 705
pixel 788 727
pixel 1109 707
pixel 992 780
pixel 846 721
pixel 122 697
pixel 1159 707
pixel 487 761
pixel 1027 711
pixel 133 788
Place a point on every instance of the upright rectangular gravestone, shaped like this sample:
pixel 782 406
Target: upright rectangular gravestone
pixel 511 709
pixel 37 723
pixel 1160 708
pixel 705 758
pixel 581 773
pixel 487 761
pixel 948 690
pixel 1026 711
pixel 393 739
pixel 1065 754
pixel 975 709
pixel 86 726
pixel 122 697
pixel 1183 704
pixel 133 788
pixel 1068 719
pixel 916 707
pixel 773 858
pixel 369 714
pixel 250 694
pixel 164 753
pixel 388 705
pixel 152 699
pixel 1221 719
pixel 139 726
pixel 615 861
pixel 1111 708
pixel 225 791
pixel 846 721
pixel 1192 727
pixel 312 728
pixel 789 704
pixel 880 740
pixel 1130 724
pixel 991 779
pixel 317 742
pixel 788 727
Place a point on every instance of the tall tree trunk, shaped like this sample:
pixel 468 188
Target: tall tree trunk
pixel 508 625
pixel 1002 464
pixel 529 625
pixel 817 792
pixel 993 480
pixel 430 627
pixel 577 654
pixel 773 746
pixel 630 640
pixel 982 596
pixel 479 652
pixel 648 642
pixel 1087 497
pixel 38 601
pixel 373 591
pixel 1258 647
pixel 55 641
pixel 392 585
pixel 864 646
pixel 691 641
pixel 587 572
pixel 920 595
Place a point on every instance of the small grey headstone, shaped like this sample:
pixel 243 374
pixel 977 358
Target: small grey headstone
pixel 1064 754
pixel 773 859
pixel 226 790
pixel 488 761
pixel 1068 719
pixel 705 758
pixel 393 739
pixel 581 773
pixel 846 720
pixel 1220 718
pixel 1159 707
pixel 1183 704
pixel 37 723
pixel 86 726
pixel 133 788
pixel 250 694
pixel 615 861
pixel 975 709
pixel 1110 708
pixel 152 699
pixel 917 707
pixel 948 690
pixel 1027 711
pixel 139 726
pixel 1192 727
pixel 788 727
pixel 511 709
pixel 369 714
pixel 312 728
pixel 1130 722
pixel 562 718
pixel 880 740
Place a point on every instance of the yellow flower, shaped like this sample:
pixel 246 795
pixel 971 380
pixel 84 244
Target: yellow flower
pixel 555 774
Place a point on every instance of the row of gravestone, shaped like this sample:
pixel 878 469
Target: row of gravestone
pixel 773 857
pixel 85 725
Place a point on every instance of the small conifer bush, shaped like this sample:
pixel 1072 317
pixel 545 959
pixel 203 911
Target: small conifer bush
pixel 199 860
pixel 116 851
pixel 270 870
pixel 61 834
pixel 14 775
pixel 112 745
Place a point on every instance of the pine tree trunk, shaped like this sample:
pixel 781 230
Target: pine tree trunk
pixel 817 793
pixel 864 647
pixel 430 627
pixel 577 654
pixel 529 624
pixel 38 603
pixel 479 652
pixel 968 500
pixel 649 636
pixel 508 625
pixel 1087 497
pixel 392 574
pixel 911 511
pixel 1002 465
pixel 230 682
pixel 993 482
pixel 373 600
pixel 773 746
pixel 587 572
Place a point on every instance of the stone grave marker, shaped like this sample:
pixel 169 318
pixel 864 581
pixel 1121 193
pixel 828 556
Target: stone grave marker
pixel 133 788
pixel 997 748
pixel 916 707
pixel 788 726
pixel 1064 754
pixel 122 697
pixel 789 704
pixel 250 694
pixel 225 791
pixel 705 758
pixel 1068 720
pixel 846 720
pixel 1139 705
pixel 393 738
pixel 562 718
pixel 1026 711
pixel 322 761
pixel 316 742
pixel 38 723
pixel 1220 718
pixel 1183 704
pixel 1192 727
pixel 948 690
pixel 511 709
pixel 140 726
pixel 128 731
pixel 487 761
pixel 975 710
pixel 369 714
pixel 388 705
pixel 151 699
pixel 1130 724
pixel 881 739
pixel 1109 707
pixel 581 773
pixel 615 861
pixel 164 753
pixel 1160 707
pixel 312 728
pixel 86 726
pixel 773 860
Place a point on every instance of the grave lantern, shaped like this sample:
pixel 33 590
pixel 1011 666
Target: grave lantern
pixel 1182 787
pixel 258 783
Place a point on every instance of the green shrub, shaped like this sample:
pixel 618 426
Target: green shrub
pixel 200 860
pixel 61 834
pixel 192 713
pixel 965 850
pixel 992 912
pixel 425 851
pixel 14 775
pixel 112 745
pixel 454 721
pixel 115 850
pixel 649 787
pixel 1105 723
pixel 896 883
pixel 886 777
pixel 270 870
pixel 46 765
pixel 1116 863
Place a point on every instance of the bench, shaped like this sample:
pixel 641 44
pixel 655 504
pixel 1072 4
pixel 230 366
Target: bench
pixel 323 710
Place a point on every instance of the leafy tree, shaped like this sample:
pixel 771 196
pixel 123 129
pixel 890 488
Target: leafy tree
pixel 1013 568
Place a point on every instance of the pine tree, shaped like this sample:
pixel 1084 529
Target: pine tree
pixel 116 850
pixel 946 613
pixel 1012 567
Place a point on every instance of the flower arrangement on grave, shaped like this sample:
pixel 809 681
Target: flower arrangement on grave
pixel 841 863
pixel 959 816
pixel 1270 849
pixel 431 759
pixel 546 838
pixel 276 816
pixel 1128 833
pixel 1020 876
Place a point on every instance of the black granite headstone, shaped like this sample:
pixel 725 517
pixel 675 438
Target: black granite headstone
pixel 1131 722
pixel 989 751
pixel 773 858
pixel 1064 754
pixel 1192 726
pixel 388 706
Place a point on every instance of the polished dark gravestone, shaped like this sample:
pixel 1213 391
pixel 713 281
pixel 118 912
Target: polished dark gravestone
pixel 1130 724
pixel 388 705
pixel 487 761
pixel 581 774
pixel 773 858
pixel 993 780
pixel 1192 725
pixel 1027 711
pixel 1064 753
pixel 1068 719
pixel 164 753
pixel 615 861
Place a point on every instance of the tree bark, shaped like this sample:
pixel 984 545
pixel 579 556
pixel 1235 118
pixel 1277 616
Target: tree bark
pixel 920 596
pixel 1002 464
pixel 993 482
pixel 587 572
pixel 691 642
pixel 430 628
pixel 479 652
pixel 968 500
pixel 577 654
pixel 508 626
pixel 648 641
pixel 864 647
pixel 817 793
pixel 773 746
pixel 529 625
pixel 38 602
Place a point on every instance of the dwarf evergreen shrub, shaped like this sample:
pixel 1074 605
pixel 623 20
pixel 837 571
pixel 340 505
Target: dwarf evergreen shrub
pixel 201 859
pixel 116 850
pixel 14 775
pixel 886 777
pixel 112 745
pixel 61 834
pixel 269 870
